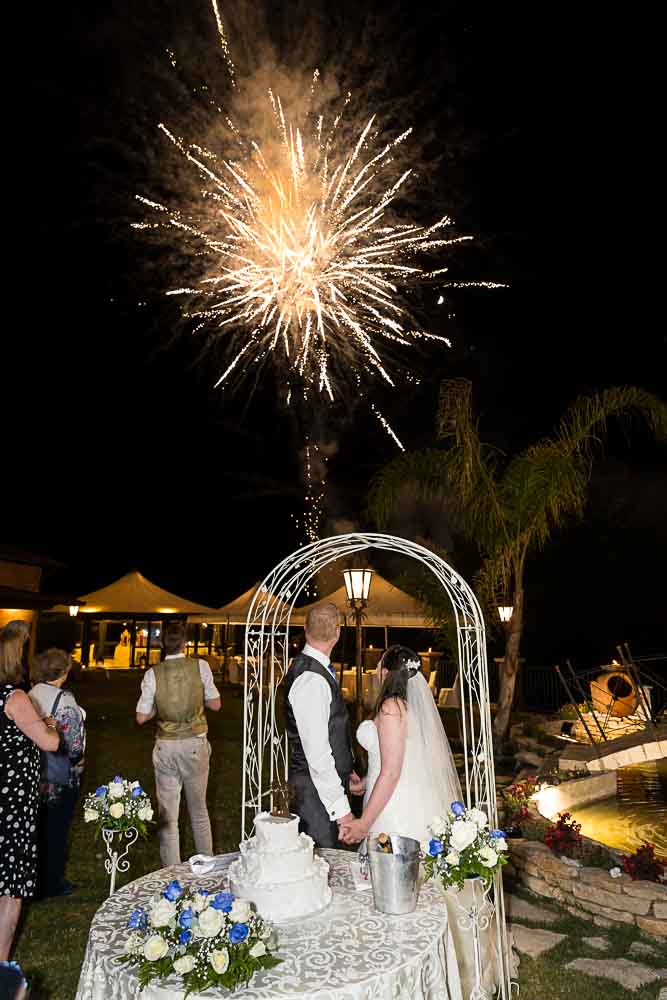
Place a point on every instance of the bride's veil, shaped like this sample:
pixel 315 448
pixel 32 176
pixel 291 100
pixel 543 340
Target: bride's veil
pixel 429 765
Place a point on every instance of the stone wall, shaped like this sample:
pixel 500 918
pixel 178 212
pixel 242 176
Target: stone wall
pixel 590 892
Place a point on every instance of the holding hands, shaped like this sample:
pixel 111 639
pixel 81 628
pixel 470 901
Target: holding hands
pixel 352 831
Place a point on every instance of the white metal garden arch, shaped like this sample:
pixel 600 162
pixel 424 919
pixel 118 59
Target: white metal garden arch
pixel 267 651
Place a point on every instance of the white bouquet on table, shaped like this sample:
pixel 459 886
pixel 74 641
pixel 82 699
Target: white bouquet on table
pixel 463 847
pixel 209 939
pixel 118 806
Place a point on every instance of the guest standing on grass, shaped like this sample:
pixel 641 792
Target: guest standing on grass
pixel 176 693
pixel 61 771
pixel 22 735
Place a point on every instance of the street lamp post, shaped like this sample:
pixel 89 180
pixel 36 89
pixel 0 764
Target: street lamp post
pixel 357 587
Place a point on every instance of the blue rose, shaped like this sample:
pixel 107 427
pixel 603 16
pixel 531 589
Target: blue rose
pixel 136 792
pixel 185 937
pixel 435 847
pixel 186 918
pixel 173 891
pixel 102 790
pixel 458 808
pixel 238 933
pixel 497 834
pixel 138 920
pixel 223 901
pixel 118 780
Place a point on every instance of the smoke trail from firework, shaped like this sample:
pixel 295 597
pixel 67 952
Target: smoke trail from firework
pixel 305 259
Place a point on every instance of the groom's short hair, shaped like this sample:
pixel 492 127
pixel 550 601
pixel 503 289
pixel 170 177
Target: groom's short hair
pixel 322 622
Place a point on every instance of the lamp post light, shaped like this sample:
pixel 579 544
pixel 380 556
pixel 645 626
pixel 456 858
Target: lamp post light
pixel 73 610
pixel 505 613
pixel 357 588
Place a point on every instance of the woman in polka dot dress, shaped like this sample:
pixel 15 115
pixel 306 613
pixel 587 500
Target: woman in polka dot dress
pixel 22 735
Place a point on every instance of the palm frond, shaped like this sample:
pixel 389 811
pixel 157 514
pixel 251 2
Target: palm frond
pixel 472 465
pixel 424 471
pixel 547 483
pixel 585 420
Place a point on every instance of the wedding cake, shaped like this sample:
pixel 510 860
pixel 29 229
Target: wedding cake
pixel 278 872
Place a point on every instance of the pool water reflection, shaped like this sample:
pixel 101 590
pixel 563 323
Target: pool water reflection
pixel 637 815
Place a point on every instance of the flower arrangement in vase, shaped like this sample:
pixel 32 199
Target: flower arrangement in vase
pixel 208 939
pixel 463 847
pixel 119 805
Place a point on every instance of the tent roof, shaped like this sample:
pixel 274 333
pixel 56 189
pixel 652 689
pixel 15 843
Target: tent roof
pixel 236 612
pixel 387 605
pixel 133 593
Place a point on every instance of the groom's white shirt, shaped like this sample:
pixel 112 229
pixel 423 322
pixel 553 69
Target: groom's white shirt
pixel 310 698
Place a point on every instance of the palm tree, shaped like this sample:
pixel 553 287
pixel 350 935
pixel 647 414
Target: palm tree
pixel 511 507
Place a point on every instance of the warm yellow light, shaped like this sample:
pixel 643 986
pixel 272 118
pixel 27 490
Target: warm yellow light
pixel 357 583
pixel 167 611
pixel 505 612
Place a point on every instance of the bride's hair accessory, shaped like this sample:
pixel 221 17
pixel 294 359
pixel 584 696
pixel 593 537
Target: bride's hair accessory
pixel 412 667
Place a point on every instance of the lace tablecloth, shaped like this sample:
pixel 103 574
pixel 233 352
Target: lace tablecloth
pixel 347 952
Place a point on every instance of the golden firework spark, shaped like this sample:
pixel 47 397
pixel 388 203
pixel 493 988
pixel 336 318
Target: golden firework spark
pixel 305 262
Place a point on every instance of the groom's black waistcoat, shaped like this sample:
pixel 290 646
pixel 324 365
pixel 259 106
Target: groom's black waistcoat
pixel 315 819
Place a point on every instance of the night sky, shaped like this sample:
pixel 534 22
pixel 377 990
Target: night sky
pixel 122 454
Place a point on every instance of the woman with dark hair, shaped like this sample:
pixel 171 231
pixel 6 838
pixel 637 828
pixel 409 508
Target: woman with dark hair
pixel 411 775
pixel 22 735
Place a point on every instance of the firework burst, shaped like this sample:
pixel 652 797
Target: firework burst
pixel 305 260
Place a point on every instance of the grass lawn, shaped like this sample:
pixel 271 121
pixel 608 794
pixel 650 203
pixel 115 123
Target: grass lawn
pixel 52 938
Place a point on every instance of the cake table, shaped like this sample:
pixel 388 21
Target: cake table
pixel 347 952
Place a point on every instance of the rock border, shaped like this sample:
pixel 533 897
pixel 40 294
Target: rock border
pixel 589 892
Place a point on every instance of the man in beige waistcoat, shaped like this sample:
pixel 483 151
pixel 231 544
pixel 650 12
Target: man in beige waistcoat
pixel 176 692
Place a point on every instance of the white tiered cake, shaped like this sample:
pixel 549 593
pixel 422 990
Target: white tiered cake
pixel 278 872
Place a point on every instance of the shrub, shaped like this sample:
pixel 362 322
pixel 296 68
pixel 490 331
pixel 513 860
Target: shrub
pixel 565 837
pixel 643 864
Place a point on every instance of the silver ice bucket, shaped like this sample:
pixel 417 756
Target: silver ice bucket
pixel 395 877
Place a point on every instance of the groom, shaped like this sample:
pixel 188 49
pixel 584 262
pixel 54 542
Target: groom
pixel 318 730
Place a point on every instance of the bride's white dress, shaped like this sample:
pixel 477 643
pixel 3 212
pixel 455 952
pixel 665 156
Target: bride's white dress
pixel 427 786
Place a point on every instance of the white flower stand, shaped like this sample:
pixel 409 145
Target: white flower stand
pixel 117 860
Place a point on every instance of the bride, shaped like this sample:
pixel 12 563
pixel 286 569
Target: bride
pixel 411 775
pixel 411 780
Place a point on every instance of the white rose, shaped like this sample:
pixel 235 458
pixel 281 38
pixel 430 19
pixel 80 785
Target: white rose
pixel 116 790
pixel 500 844
pixel 615 872
pixel 241 911
pixel 134 943
pixel 209 923
pixel 156 947
pixel 184 964
pixel 162 912
pixel 90 815
pixel 134 784
pixel 220 961
pixel 488 857
pixel 200 903
pixel 117 810
pixel 145 813
pixel 452 858
pixel 463 834
pixel 258 950
pixel 479 817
